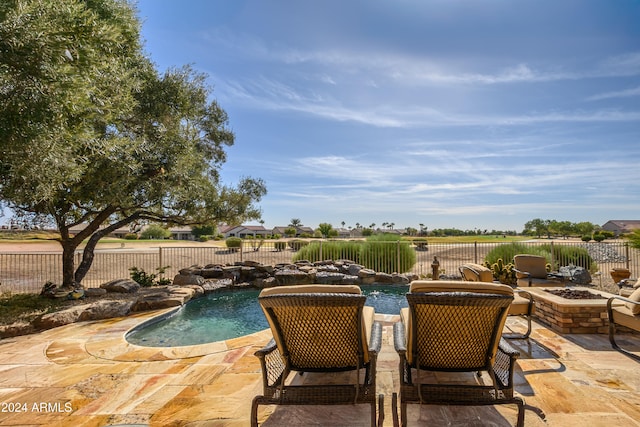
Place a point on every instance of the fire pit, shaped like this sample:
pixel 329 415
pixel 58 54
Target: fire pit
pixel 574 294
pixel 576 310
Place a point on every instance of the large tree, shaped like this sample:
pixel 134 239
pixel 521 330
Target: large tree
pixel 92 134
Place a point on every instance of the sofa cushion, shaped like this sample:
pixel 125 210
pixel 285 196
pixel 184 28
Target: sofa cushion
pixel 635 296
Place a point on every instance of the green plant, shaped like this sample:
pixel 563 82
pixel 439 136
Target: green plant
pixel 141 277
pixel 509 250
pixel 233 243
pixel 504 273
pixel 565 255
pixel 587 238
pixel 131 236
pixel 332 249
pixel 155 231
pixel 297 244
pixel 599 237
pixel 387 253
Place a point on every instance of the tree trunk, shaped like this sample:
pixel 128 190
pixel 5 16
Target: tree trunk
pixel 87 257
pixel 68 264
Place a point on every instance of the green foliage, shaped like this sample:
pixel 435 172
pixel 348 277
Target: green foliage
pixel 599 237
pixel 233 243
pixel 586 238
pixel 203 230
pixel 155 231
pixel 562 255
pixel 290 231
pixel 387 253
pixel 634 239
pixel 325 229
pixel 147 280
pixel 509 250
pixel 504 273
pixel 567 254
pixel 332 249
pixel 25 307
pixel 90 129
pixel 366 232
pixel 131 236
pixel 297 244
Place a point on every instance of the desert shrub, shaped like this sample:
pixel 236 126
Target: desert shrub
pixel 331 249
pixel 387 253
pixel 507 251
pixel 280 246
pixel 155 231
pixel 565 255
pixel 599 237
pixel 234 243
pixel 586 238
pixel 144 279
pixel 131 236
pixel 297 244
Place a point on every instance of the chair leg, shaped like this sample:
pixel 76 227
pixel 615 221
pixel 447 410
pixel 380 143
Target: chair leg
pixel 520 403
pixel 394 409
pixel 614 344
pixel 380 410
pixel 254 411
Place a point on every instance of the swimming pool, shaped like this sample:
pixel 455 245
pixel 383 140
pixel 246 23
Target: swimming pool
pixel 233 313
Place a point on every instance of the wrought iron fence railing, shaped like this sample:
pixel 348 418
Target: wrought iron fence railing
pixel 27 272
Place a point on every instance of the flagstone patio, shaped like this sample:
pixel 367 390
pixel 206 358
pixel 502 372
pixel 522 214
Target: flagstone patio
pixel 86 374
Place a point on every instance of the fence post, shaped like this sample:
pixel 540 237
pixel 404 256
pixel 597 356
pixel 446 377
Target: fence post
pixel 160 263
pixel 553 257
pixel 241 251
pixel 398 256
pixel 475 252
pixel 626 254
pixel 320 258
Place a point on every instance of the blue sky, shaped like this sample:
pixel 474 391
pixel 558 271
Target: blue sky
pixel 450 113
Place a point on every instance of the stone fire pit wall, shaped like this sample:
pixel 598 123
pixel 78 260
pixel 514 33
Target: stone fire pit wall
pixel 571 316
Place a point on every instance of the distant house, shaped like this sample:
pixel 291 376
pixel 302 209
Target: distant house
pixel 244 231
pixel 299 230
pixel 618 226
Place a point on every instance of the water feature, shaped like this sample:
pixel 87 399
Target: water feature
pixel 233 313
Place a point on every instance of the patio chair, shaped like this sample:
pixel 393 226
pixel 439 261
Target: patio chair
pixel 628 286
pixel 531 270
pixel 319 328
pixel 626 315
pixel 522 305
pixel 455 327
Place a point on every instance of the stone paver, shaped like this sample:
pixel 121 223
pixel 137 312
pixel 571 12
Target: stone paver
pixel 86 374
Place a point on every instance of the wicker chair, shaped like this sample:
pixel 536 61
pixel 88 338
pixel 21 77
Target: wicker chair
pixel 319 328
pixel 455 327
pixel 522 305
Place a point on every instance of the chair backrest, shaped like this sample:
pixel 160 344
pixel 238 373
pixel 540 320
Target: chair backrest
pixel 318 327
pixel 455 326
pixel 475 273
pixel 534 264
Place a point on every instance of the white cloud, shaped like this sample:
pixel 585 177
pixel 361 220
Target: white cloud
pixel 616 94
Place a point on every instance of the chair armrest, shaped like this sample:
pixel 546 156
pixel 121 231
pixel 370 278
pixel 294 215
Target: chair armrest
pixel 525 273
pixel 621 298
pixel 399 339
pixel 375 342
pixel 273 366
pixel 527 295
pixel 268 348
pixel 506 348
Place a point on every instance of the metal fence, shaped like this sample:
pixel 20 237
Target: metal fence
pixel 27 272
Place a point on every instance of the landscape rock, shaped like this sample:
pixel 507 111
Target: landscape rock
pixel 126 286
pixel 185 280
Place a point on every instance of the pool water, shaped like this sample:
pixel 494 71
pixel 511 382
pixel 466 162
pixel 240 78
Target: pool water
pixel 233 313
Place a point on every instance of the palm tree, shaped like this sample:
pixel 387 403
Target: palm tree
pixel 295 222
